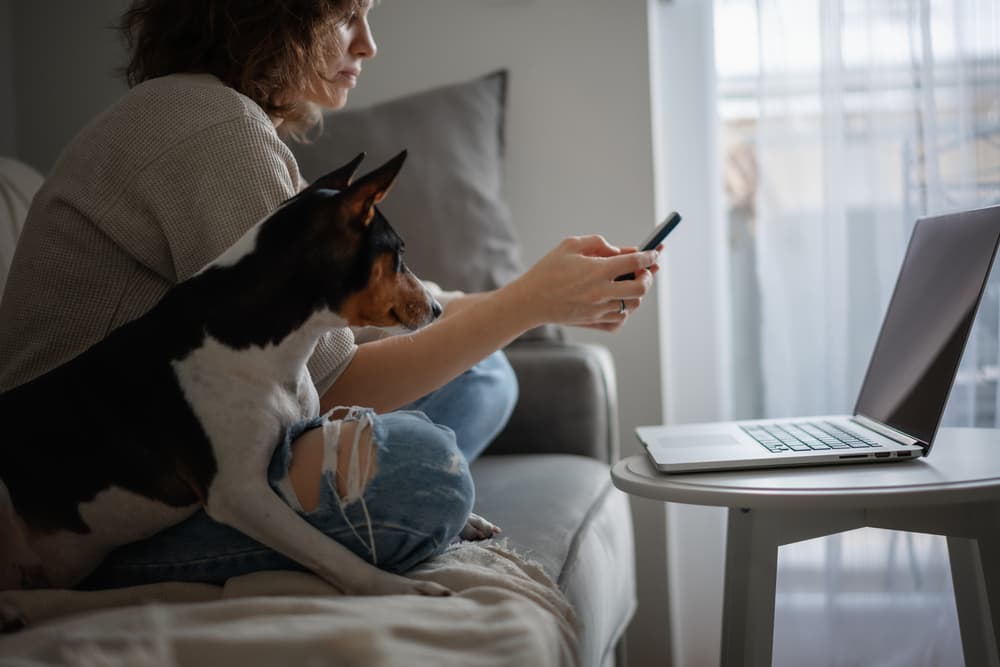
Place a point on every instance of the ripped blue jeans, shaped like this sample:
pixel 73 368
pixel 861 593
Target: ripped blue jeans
pixel 416 504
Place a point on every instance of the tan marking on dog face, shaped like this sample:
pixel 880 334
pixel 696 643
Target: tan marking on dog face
pixel 391 298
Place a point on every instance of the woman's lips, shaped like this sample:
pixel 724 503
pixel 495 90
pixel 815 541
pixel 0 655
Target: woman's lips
pixel 349 76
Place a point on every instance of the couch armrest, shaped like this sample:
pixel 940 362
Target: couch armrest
pixel 568 402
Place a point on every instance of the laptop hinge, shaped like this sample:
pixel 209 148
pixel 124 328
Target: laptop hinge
pixel 887 431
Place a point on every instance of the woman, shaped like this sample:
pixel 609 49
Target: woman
pixel 171 175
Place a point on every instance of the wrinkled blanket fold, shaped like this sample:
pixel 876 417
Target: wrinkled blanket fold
pixel 506 611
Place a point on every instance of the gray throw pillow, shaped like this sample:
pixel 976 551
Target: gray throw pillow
pixel 447 202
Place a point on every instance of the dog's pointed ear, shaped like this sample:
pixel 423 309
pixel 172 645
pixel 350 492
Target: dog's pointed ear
pixel 370 189
pixel 340 178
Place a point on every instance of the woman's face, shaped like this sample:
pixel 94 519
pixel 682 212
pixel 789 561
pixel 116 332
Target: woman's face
pixel 350 43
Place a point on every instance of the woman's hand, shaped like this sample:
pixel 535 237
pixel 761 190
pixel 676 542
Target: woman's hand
pixel 574 284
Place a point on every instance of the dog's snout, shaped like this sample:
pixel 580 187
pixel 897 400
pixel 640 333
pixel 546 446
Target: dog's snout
pixel 436 309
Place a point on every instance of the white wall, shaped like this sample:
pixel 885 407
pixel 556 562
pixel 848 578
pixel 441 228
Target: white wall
pixel 579 150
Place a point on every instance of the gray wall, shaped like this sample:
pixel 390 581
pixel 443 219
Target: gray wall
pixel 8 131
pixel 64 71
pixel 579 149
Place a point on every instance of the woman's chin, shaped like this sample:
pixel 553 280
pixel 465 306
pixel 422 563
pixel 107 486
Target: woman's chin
pixel 334 100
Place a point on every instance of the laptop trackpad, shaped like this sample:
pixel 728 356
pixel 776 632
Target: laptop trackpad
pixel 697 440
pixel 697 450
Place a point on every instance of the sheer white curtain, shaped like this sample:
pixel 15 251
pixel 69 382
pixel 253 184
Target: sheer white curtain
pixel 871 113
pixel 844 121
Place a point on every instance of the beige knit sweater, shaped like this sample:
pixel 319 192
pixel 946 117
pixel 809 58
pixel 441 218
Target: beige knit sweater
pixel 146 195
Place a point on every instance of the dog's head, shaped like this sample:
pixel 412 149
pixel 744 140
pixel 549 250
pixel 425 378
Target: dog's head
pixel 357 255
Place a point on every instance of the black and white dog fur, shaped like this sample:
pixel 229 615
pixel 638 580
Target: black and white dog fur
pixel 182 408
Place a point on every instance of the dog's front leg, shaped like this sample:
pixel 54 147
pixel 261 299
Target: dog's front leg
pixel 256 510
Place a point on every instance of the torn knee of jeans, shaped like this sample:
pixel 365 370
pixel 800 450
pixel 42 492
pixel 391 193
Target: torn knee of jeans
pixel 350 454
pixel 341 451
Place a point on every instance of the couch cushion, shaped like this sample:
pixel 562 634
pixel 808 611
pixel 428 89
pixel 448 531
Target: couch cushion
pixel 563 512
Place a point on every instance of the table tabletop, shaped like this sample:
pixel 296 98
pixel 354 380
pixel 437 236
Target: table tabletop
pixel 963 466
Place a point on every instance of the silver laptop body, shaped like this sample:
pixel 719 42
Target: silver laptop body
pixel 909 377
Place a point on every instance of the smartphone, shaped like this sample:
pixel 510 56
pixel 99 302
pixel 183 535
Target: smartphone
pixel 655 238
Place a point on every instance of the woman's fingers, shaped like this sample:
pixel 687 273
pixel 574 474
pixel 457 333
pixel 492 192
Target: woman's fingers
pixel 594 246
pixel 635 287
pixel 611 313
pixel 630 263
pixel 626 259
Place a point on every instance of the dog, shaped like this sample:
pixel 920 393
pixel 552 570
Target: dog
pixel 218 366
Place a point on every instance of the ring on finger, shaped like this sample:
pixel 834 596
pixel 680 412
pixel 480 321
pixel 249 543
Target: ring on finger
pixel 622 308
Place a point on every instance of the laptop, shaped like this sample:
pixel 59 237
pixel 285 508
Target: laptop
pixel 909 377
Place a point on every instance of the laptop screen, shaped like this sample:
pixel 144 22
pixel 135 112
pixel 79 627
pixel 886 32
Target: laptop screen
pixel 928 321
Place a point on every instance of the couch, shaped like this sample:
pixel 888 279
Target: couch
pixel 545 479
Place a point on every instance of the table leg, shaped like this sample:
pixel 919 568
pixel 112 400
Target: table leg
pixel 973 532
pixel 974 577
pixel 748 608
pixel 989 557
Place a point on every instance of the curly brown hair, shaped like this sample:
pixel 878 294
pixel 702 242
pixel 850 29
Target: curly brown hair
pixel 265 49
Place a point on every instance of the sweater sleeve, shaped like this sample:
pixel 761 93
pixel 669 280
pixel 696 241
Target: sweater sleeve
pixel 205 193
pixel 200 196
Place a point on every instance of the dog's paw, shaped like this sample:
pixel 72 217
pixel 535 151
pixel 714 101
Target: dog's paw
pixel 477 528
pixel 11 618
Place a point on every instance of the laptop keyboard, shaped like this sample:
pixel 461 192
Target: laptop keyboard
pixel 806 436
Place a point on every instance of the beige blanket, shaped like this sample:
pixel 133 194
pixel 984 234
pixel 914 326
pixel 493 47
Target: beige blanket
pixel 507 611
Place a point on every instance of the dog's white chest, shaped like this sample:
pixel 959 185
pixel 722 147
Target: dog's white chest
pixel 245 398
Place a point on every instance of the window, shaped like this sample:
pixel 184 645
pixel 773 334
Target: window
pixel 831 126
